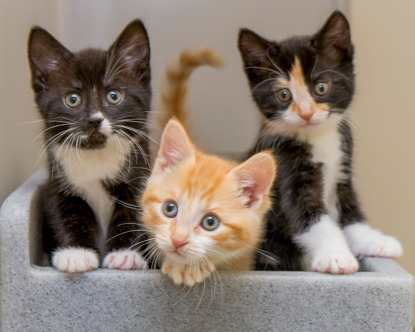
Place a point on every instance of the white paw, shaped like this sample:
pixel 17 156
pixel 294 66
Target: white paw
pixel 184 274
pixel 335 262
pixel 387 246
pixel 75 260
pixel 124 260
pixel 366 241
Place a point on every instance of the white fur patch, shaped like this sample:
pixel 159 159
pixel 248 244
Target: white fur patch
pixel 75 260
pixel 366 241
pixel 326 248
pixel 125 260
pixel 86 169
pixel 326 149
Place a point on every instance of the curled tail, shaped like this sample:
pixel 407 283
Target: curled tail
pixel 174 87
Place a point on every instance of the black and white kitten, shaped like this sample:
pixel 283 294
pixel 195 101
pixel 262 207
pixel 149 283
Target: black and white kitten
pixel 95 105
pixel 303 87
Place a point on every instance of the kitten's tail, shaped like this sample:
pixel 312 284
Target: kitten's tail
pixel 175 86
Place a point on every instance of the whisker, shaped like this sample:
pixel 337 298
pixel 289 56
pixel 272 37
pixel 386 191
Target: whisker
pixel 264 81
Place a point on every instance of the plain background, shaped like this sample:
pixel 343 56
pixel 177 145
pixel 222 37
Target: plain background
pixel 224 119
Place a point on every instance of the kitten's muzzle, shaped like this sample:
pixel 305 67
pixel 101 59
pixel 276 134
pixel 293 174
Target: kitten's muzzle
pixel 95 123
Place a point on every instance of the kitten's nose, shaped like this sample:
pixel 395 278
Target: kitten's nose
pixel 306 113
pixel 95 122
pixel 178 241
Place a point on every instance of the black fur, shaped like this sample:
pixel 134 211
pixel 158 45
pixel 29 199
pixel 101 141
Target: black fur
pixel 298 190
pixel 92 73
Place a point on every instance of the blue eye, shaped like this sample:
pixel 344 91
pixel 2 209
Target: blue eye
pixel 73 100
pixel 210 222
pixel 114 97
pixel 170 209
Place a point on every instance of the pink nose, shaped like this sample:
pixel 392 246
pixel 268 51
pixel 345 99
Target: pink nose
pixel 178 242
pixel 306 114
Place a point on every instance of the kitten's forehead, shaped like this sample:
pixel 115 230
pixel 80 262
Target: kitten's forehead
pixel 296 50
pixel 89 66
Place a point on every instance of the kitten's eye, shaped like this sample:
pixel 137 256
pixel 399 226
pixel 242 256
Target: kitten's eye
pixel 73 100
pixel 210 223
pixel 321 88
pixel 284 95
pixel 114 97
pixel 170 209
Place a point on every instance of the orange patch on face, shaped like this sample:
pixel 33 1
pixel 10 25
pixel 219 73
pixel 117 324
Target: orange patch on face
pixel 303 104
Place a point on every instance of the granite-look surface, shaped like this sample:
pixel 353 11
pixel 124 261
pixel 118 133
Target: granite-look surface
pixel 38 298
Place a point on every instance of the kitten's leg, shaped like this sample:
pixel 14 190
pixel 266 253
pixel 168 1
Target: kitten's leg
pixel 124 237
pixel 363 240
pixel 306 215
pixel 74 228
pixel 187 274
pixel 326 248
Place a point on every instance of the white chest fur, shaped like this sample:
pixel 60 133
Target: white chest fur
pixel 86 169
pixel 326 149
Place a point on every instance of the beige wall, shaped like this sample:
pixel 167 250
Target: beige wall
pixel 384 113
pixel 18 154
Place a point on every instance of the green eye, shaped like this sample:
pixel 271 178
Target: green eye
pixel 114 97
pixel 210 222
pixel 321 88
pixel 170 209
pixel 73 100
pixel 284 95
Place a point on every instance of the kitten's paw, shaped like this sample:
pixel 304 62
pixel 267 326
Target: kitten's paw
pixel 335 262
pixel 174 271
pixel 124 260
pixel 386 246
pixel 366 241
pixel 184 274
pixel 75 260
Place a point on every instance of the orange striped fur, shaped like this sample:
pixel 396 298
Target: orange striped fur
pixel 202 184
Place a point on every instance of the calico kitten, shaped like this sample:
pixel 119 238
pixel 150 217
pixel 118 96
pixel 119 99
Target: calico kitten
pixel 202 212
pixel 303 87
pixel 94 104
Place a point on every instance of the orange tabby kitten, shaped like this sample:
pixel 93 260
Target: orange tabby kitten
pixel 202 212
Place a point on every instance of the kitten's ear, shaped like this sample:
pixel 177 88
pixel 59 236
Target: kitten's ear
pixel 255 50
pixel 333 39
pixel 175 147
pixel 254 178
pixel 46 55
pixel 130 53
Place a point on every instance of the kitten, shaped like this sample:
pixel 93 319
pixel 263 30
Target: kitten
pixel 202 212
pixel 303 87
pixel 94 104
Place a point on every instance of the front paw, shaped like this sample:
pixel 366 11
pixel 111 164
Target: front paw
pixel 124 260
pixel 185 274
pixel 335 262
pixel 382 246
pixel 75 260
pixel 366 241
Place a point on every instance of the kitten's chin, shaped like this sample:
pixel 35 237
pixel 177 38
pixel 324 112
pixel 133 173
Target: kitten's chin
pixel 95 141
pixel 177 257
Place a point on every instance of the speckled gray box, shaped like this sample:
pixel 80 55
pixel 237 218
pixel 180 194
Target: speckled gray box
pixel 36 298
